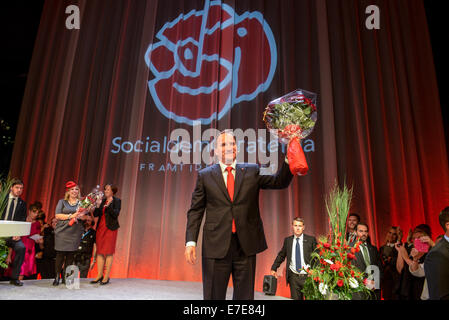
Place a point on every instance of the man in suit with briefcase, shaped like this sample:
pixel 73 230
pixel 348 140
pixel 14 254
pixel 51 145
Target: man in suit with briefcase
pixel 297 249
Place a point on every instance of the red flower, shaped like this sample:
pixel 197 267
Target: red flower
pixel 351 256
pixel 353 250
pixel 341 274
pixel 326 245
pixel 336 266
pixel 340 283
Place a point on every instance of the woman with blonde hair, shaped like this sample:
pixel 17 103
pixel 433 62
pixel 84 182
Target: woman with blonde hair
pixel 67 237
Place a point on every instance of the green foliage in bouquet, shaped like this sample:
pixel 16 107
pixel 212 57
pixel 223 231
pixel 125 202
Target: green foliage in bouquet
pixel 285 114
pixel 332 276
pixel 5 186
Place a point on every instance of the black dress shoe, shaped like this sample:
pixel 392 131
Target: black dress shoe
pixel 96 281
pixel 56 282
pixel 104 283
pixel 17 283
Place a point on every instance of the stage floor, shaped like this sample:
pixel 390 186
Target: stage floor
pixel 117 289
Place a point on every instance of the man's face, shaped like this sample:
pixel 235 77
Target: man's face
pixel 362 232
pixel 226 149
pixel 298 228
pixel 17 190
pixel 88 221
pixel 352 222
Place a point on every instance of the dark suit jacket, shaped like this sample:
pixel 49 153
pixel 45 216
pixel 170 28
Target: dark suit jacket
pixel 111 213
pixel 211 195
pixel 436 267
pixel 374 255
pixel 309 245
pixel 20 213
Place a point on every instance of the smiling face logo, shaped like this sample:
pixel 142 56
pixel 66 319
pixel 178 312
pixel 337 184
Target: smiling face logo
pixel 207 61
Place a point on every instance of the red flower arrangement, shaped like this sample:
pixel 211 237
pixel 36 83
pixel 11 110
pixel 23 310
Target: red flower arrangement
pixel 332 273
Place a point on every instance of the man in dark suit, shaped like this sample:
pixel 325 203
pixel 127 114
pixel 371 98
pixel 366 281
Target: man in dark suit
pixel 297 248
pixel 233 231
pixel 368 256
pixel 436 263
pixel 16 210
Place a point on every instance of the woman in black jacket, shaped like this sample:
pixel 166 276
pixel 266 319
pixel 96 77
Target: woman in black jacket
pixel 107 229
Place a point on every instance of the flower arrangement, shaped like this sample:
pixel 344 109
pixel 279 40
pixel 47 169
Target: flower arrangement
pixel 332 276
pixel 88 202
pixel 292 117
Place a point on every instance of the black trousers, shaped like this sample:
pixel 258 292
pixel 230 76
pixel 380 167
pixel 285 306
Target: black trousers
pixel 296 283
pixel 216 273
pixel 82 261
pixel 63 258
pixel 19 250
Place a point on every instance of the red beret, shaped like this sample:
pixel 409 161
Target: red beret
pixel 70 185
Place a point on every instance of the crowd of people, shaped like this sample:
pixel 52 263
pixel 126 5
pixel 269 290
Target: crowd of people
pixel 74 236
pixel 414 268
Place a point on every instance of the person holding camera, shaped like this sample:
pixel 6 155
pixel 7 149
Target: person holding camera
pixel 411 287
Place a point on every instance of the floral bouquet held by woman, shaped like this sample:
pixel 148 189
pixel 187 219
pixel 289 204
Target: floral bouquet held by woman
pixel 293 117
pixel 88 202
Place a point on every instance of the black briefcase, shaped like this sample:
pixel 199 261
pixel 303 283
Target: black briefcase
pixel 270 284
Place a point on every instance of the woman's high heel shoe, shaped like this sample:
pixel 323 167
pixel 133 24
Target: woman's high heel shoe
pixel 96 281
pixel 56 281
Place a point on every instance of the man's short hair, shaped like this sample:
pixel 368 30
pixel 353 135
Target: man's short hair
pixel 299 220
pixel 353 214
pixel 444 218
pixel 362 224
pixel 16 181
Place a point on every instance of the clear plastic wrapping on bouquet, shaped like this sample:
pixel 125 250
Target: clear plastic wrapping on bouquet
pixel 292 115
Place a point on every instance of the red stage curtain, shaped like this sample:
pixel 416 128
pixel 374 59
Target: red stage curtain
pixel 379 124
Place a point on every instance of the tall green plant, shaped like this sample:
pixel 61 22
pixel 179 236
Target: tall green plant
pixel 332 275
pixel 338 204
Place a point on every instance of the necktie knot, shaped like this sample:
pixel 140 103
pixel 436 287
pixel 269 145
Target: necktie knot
pixel 229 169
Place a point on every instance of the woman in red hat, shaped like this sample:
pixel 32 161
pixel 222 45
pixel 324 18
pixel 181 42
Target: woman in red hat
pixel 67 237
pixel 107 228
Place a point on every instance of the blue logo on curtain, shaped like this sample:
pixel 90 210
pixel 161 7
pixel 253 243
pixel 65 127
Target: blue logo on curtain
pixel 207 61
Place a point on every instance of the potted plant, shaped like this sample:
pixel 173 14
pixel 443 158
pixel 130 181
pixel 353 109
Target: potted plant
pixel 332 275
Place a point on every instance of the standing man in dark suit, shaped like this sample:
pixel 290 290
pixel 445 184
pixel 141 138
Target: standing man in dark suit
pixel 436 264
pixel 233 231
pixel 368 256
pixel 16 210
pixel 297 248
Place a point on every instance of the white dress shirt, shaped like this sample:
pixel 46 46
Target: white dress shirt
pixel 9 205
pixel 293 260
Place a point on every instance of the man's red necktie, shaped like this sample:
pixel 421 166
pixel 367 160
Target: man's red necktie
pixel 230 186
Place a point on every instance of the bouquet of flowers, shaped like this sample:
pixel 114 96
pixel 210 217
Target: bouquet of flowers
pixel 292 117
pixel 88 202
pixel 332 276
